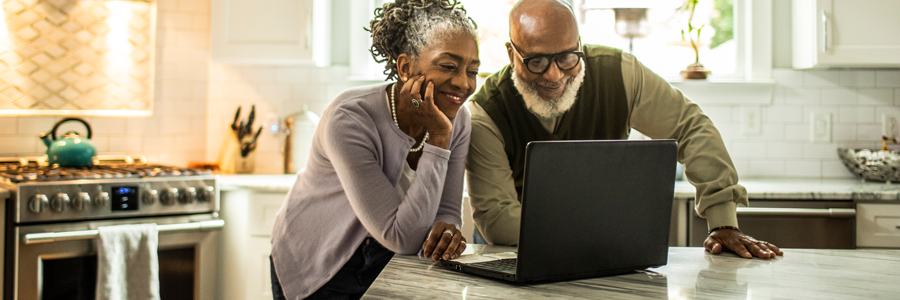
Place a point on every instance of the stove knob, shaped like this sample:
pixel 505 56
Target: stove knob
pixel 81 201
pixel 38 203
pixel 102 199
pixel 151 196
pixel 60 202
pixel 207 194
pixel 170 196
pixel 189 195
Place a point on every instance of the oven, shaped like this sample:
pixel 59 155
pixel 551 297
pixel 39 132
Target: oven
pixel 52 227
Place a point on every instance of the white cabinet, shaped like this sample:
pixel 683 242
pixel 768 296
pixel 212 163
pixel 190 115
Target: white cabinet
pixel 271 31
pixel 878 225
pixel 846 33
pixel 245 244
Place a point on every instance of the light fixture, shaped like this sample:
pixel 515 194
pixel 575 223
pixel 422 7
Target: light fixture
pixel 631 15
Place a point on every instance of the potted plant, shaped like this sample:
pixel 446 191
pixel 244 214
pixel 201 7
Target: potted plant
pixel 696 69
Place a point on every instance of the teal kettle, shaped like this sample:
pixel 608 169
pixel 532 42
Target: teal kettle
pixel 72 150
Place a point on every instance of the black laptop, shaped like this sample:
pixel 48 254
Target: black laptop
pixel 589 208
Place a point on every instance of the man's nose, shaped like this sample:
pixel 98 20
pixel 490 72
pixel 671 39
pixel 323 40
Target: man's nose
pixel 553 73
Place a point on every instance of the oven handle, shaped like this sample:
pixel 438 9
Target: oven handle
pixel 796 212
pixel 49 237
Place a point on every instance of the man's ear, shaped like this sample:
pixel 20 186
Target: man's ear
pixel 509 52
pixel 404 67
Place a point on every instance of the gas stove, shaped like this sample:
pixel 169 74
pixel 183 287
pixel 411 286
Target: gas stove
pixel 114 187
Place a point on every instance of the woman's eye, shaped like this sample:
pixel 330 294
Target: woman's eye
pixel 448 67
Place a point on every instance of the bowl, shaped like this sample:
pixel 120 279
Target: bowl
pixel 871 164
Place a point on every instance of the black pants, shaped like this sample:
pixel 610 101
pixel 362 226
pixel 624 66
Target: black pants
pixel 353 279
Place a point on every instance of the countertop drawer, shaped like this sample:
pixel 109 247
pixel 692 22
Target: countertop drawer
pixel 878 225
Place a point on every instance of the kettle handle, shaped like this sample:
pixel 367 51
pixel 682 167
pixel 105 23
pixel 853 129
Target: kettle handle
pixel 86 125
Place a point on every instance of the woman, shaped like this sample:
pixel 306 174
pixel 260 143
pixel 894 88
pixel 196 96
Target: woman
pixel 387 161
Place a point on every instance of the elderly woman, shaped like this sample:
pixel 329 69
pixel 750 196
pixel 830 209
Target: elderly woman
pixel 385 171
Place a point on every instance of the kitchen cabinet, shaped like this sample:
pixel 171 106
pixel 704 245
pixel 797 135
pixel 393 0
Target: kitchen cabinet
pixel 245 247
pixel 845 33
pixel 878 225
pixel 271 31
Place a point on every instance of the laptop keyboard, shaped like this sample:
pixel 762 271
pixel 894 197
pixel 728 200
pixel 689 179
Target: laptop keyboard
pixel 503 265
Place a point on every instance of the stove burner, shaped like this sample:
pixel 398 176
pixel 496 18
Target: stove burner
pixel 18 173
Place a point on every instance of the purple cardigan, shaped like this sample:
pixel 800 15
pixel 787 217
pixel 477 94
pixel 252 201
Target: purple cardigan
pixel 347 191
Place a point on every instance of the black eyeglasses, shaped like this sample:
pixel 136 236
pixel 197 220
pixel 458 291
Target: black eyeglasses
pixel 539 64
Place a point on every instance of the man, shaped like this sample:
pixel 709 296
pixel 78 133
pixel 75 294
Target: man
pixel 540 96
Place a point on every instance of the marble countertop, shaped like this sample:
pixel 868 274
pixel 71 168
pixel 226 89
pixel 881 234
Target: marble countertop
pixel 276 183
pixel 807 189
pixel 691 273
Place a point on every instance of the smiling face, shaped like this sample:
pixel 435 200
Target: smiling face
pixel 452 64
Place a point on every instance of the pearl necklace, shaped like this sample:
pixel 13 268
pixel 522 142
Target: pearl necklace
pixel 394 114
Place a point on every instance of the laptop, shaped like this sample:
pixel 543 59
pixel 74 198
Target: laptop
pixel 589 209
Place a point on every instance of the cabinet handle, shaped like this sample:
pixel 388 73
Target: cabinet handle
pixel 824 32
pixel 797 212
pixel 49 237
pixel 898 226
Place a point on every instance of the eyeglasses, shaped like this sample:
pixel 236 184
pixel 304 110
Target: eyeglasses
pixel 539 64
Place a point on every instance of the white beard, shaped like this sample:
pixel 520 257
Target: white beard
pixel 557 104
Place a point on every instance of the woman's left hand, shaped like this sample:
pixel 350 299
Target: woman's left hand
pixel 445 242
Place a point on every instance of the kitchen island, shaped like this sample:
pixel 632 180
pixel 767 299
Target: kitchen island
pixel 691 273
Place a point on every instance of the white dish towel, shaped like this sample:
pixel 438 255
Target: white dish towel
pixel 127 262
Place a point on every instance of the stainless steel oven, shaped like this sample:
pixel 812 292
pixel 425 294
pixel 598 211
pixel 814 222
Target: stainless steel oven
pixel 819 224
pixel 52 221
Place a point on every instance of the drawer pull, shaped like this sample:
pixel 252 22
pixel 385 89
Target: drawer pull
pixel 797 212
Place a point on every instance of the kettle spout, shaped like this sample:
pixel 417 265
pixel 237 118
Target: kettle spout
pixel 46 138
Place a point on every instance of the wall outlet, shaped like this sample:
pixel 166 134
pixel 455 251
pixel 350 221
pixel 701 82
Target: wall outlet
pixel 751 120
pixel 890 125
pixel 821 127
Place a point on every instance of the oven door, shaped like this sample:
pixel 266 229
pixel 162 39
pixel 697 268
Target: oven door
pixel 59 261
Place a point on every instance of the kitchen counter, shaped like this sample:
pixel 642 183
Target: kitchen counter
pixel 807 189
pixel 276 183
pixel 691 273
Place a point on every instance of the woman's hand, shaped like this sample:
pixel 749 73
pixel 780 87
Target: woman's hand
pixel 427 113
pixel 445 242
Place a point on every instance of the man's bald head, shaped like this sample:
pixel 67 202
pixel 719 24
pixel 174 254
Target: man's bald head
pixel 535 21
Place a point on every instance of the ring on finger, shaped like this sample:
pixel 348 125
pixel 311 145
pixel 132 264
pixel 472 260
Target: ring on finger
pixel 449 231
pixel 415 102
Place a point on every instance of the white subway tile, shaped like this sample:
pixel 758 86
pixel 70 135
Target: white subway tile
pixel 784 150
pixel 142 126
pixel 787 77
pixel 168 37
pixel 158 143
pixel 194 5
pixel 167 5
pixel 833 110
pixel 195 143
pixel 257 74
pixel 171 125
pixel 174 54
pixel 838 96
pixel 200 91
pixel 861 144
pixel 198 125
pixel 718 114
pixel 20 145
pixel 825 78
pixel 292 74
pixel 858 114
pixel 236 90
pixel 833 168
pixel 108 125
pixel 9 125
pixel 126 144
pixel 216 91
pixel 192 72
pixel 742 166
pixel 843 132
pixel 816 150
pixel 101 143
pixel 858 78
pixel 179 158
pixel 176 89
pixel 868 132
pixel 796 132
pixel 37 125
pixel 747 149
pixel 887 78
pixel 174 20
pixel 766 168
pixel 192 108
pixel 201 22
pixel 783 114
pixel 280 91
pixel 803 168
pixel 795 96
pixel 310 92
pixel 778 96
pixel 876 97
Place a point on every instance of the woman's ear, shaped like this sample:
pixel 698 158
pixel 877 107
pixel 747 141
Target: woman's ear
pixel 404 65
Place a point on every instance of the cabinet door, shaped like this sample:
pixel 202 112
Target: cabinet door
pixel 878 225
pixel 846 33
pixel 270 31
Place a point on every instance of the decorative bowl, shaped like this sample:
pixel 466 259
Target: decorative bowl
pixel 871 164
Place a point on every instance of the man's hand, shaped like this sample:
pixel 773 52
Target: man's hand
pixel 742 244
pixel 445 242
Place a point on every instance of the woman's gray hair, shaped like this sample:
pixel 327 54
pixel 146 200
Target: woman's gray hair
pixel 408 26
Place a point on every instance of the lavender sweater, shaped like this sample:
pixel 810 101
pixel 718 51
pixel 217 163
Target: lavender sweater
pixel 348 191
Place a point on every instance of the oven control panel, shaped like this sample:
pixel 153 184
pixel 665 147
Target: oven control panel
pixel 114 198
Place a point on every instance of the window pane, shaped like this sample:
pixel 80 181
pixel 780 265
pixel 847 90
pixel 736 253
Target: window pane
pixel 492 17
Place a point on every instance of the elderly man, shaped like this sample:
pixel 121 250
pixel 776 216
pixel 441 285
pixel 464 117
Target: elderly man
pixel 555 88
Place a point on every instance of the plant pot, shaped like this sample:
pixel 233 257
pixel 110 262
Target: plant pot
pixel 695 71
